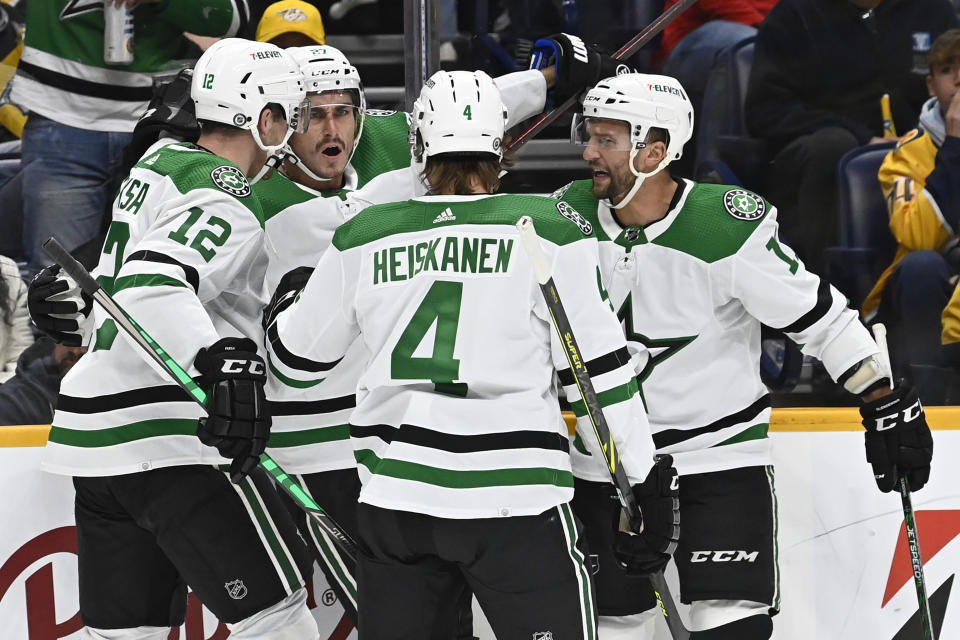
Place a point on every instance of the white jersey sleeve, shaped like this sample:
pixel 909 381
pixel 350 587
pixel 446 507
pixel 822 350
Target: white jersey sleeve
pixel 523 93
pixel 775 287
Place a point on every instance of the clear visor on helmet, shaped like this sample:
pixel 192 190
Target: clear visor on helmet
pixel 337 112
pixel 603 133
pixel 298 118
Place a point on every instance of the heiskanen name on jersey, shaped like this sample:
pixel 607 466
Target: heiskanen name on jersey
pixel 469 451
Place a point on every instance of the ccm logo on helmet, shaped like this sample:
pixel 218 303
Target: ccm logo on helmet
pixel 724 556
pixel 231 365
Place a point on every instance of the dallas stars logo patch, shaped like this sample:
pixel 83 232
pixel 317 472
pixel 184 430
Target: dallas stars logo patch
pixel 231 180
pixel 744 205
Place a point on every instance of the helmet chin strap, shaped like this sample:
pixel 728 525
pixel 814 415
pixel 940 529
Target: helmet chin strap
pixel 295 160
pixel 639 177
pixel 275 157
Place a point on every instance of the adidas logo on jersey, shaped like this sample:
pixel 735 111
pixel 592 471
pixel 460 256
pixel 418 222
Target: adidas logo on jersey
pixel 445 216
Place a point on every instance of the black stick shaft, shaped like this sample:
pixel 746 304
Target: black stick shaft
pixel 541 267
pixel 627 50
pixel 916 560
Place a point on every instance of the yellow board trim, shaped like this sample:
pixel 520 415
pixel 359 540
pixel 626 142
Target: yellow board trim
pixel 782 420
pixel 813 419
pixel 30 435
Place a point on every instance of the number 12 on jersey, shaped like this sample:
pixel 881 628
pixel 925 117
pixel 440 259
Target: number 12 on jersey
pixel 441 305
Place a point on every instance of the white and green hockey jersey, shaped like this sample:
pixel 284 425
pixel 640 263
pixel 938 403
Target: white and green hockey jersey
pixel 185 258
pixel 457 412
pixel 691 291
pixel 62 75
pixel 310 420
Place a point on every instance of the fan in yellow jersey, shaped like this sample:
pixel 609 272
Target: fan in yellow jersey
pixel 921 180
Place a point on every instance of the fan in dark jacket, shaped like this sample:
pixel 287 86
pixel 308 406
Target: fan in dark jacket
pixel 820 69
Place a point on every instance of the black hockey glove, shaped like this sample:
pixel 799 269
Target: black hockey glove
pixel 290 285
pixel 898 440
pixel 58 307
pixel 578 67
pixel 238 424
pixel 649 550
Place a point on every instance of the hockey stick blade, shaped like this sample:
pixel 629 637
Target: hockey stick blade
pixel 150 349
pixel 542 272
pixel 627 50
pixel 906 502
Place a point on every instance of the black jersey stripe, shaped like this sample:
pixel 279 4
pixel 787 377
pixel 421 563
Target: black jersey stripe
pixel 294 361
pixel 123 399
pixel 311 407
pixel 820 309
pixel 674 436
pixel 598 366
pixel 190 273
pixel 86 87
pixel 420 436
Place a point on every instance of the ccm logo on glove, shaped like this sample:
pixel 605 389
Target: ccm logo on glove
pixel 243 366
pixel 911 413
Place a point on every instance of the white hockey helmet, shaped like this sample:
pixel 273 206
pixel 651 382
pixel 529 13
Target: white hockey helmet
pixel 643 102
pixel 457 112
pixel 325 68
pixel 235 79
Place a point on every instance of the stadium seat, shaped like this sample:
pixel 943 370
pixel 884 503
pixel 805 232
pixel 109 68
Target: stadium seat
pixel 866 244
pixel 722 136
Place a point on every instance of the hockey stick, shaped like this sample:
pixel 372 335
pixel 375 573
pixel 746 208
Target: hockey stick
pixel 541 269
pixel 150 349
pixel 627 50
pixel 909 522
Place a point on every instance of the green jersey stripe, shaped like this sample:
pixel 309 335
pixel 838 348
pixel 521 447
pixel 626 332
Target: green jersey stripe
pixel 112 436
pixel 309 436
pixel 756 432
pixel 606 398
pixel 455 479
pixel 287 380
pixel 145 280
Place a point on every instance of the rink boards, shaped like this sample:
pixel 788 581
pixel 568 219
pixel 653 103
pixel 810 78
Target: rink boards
pixel 845 570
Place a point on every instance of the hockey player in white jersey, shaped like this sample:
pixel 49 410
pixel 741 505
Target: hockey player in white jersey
pixel 156 509
pixel 692 270
pixel 462 456
pixel 346 146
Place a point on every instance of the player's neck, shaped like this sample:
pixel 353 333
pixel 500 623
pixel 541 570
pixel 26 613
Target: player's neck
pixel 650 203
pixel 238 149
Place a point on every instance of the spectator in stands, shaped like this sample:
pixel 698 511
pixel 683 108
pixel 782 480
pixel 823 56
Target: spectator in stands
pixel 30 396
pixel 695 41
pixel 819 71
pixel 82 110
pixel 921 181
pixel 15 334
pixel 291 23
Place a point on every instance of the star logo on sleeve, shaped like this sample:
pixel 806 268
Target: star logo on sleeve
pixel 743 205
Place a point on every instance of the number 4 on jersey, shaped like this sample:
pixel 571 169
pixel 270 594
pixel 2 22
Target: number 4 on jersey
pixel 441 305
